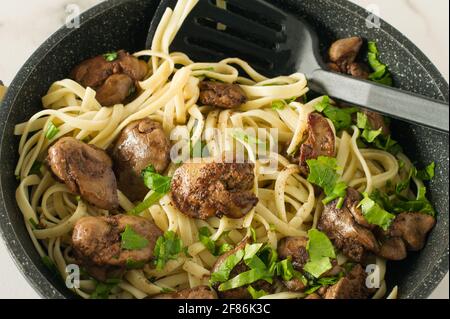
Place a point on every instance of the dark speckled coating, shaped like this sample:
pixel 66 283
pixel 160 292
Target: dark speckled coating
pixel 124 23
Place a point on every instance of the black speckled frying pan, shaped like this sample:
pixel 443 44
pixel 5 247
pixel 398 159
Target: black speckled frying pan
pixel 124 24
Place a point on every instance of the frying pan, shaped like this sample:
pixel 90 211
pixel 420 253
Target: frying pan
pixel 124 24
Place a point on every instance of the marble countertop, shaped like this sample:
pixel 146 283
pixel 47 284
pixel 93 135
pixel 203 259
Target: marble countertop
pixel 25 24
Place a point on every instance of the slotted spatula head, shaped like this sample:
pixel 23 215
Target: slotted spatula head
pixel 270 40
pixel 275 42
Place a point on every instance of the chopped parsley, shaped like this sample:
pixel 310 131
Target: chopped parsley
pixel 256 294
pixel 51 131
pixel 368 133
pixel 110 56
pixel 320 250
pixel 281 104
pixel 158 183
pixel 147 203
pixel 132 240
pixel 223 272
pixel 323 173
pixel 34 224
pixel 341 117
pixel 428 173
pixel 204 236
pixel 135 264
pixel 381 73
pixel 167 247
pixel 375 214
pixel 103 289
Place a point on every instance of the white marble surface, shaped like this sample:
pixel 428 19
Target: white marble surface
pixel 25 24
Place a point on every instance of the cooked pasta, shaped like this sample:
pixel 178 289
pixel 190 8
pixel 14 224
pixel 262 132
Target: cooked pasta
pixel 289 204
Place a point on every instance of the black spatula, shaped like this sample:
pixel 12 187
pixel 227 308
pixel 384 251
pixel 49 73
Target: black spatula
pixel 279 43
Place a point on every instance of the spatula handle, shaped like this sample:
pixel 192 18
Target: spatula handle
pixel 393 102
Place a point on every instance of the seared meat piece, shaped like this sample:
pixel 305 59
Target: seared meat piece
pixel 241 292
pixel 320 141
pixel 295 285
pixel 408 231
pixel 294 247
pixel 392 248
pixel 115 88
pixel 86 170
pixel 345 231
pixel 377 121
pixel 114 80
pixel 223 95
pixel 358 70
pixel 343 53
pixel 96 242
pixel 412 228
pixel 140 144
pixel 313 296
pixel 352 286
pixel 202 190
pixel 200 292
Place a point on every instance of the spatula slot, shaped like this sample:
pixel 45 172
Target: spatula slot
pixel 246 10
pixel 238 33
pixel 223 51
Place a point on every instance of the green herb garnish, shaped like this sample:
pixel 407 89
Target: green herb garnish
pixel 167 247
pixel 320 250
pixel 256 294
pixel 51 131
pixel 375 214
pixel 381 73
pixel 341 117
pixel 158 183
pixel 323 173
pixel 132 240
pixel 111 56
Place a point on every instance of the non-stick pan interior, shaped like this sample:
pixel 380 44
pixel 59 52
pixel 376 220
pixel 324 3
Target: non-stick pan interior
pixel 124 23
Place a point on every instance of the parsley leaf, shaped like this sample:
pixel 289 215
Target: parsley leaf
pixel 428 173
pixel 375 214
pixel 103 289
pixel 381 73
pixel 204 235
pixel 51 131
pixel 420 205
pixel 110 56
pixel 256 294
pixel 134 264
pixel 132 240
pixel 323 173
pixel 167 248
pixel 387 144
pixel 148 202
pixel 160 184
pixel 341 117
pixel 246 278
pixel 223 272
pixel 320 250
pixel 368 133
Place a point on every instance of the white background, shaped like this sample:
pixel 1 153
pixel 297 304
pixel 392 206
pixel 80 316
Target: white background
pixel 25 24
